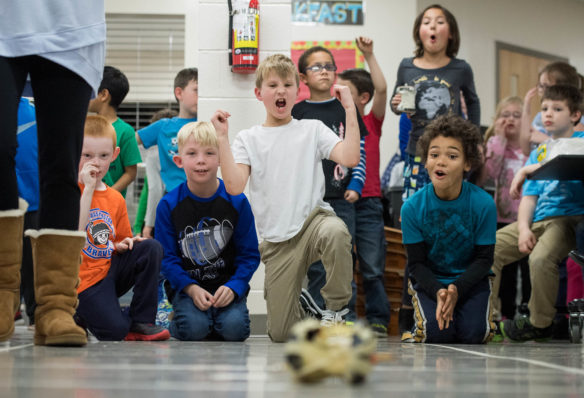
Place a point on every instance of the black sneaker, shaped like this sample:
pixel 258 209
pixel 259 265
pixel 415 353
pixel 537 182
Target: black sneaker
pixel 311 309
pixel 378 329
pixel 147 332
pixel 497 336
pixel 405 320
pixel 522 330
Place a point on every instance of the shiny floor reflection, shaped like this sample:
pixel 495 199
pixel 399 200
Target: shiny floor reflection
pixel 256 369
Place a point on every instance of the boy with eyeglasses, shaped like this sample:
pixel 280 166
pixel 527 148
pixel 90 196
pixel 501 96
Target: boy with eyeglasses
pixel 343 186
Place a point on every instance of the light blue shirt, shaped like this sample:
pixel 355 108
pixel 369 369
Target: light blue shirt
pixel 555 198
pixel 163 133
pixel 70 33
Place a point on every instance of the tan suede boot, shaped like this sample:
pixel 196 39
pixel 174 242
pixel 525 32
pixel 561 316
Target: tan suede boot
pixel 11 224
pixel 56 257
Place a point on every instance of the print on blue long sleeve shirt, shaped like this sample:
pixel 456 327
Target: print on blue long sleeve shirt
pixel 207 241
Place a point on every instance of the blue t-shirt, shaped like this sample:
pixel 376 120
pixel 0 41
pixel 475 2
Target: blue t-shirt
pixel 163 133
pixel 451 229
pixel 555 198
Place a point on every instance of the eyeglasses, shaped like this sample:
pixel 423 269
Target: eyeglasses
pixel 318 67
pixel 516 115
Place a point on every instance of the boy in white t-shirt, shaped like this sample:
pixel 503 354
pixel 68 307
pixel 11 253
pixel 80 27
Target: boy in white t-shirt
pixel 282 160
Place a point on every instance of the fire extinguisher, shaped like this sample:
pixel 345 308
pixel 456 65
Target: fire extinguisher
pixel 244 24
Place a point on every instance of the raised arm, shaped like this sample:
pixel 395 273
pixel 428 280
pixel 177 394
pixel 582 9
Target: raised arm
pixel 235 175
pixel 346 152
pixel 378 106
pixel 524 132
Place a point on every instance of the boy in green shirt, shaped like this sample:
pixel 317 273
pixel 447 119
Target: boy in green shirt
pixel 112 91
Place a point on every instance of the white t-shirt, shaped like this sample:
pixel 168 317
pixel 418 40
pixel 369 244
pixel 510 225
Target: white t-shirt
pixel 286 181
pixel 70 33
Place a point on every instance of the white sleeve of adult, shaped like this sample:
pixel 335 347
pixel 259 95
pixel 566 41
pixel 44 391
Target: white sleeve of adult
pixel 155 186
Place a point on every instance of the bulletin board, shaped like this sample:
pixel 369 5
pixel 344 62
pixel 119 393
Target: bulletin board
pixel 346 55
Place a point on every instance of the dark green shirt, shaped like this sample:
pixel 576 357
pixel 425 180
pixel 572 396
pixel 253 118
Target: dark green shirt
pixel 129 153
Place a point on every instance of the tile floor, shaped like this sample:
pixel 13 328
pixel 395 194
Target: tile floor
pixel 255 369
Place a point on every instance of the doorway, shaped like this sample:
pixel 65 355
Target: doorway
pixel 518 69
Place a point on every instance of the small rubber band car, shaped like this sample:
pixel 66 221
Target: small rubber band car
pixel 314 352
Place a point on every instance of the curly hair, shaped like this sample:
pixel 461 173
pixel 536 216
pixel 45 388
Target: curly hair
pixel 456 127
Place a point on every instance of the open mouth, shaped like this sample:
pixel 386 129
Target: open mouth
pixel 201 170
pixel 440 173
pixel 281 103
pixel 433 38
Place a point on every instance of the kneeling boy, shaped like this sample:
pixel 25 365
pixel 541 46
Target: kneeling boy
pixel 282 161
pixel 113 261
pixel 210 244
pixel 449 230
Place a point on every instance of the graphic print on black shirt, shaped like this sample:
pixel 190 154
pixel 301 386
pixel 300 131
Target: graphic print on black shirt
pixel 203 245
pixel 204 231
pixel 332 114
pixel 433 97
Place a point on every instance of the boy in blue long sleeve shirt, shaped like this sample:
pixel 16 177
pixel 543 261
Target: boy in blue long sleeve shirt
pixel 210 244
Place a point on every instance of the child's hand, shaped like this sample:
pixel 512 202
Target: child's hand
pixel 445 303
pixel 351 196
pixel 88 175
pixel 147 232
pixel 500 125
pixel 202 299
pixel 441 296
pixel 364 44
pixel 223 297
pixel 526 241
pixel 529 96
pixel 343 94
pixel 516 184
pixel 219 120
pixel 450 304
pixel 127 244
pixel 395 101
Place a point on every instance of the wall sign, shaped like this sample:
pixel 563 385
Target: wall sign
pixel 328 12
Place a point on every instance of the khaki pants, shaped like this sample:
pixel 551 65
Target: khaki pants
pixel 323 236
pixel 555 239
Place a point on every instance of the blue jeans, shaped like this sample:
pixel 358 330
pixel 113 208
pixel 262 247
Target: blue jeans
pixel 229 323
pixel 370 241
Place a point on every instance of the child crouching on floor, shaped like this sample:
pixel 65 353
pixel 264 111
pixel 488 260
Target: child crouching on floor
pixel 113 260
pixel 210 244
pixel 449 230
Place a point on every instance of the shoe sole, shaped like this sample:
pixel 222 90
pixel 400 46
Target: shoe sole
pixel 66 340
pixel 6 336
pixel 164 335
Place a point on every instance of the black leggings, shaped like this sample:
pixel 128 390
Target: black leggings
pixel 61 99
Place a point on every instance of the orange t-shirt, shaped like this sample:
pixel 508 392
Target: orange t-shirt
pixel 108 223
